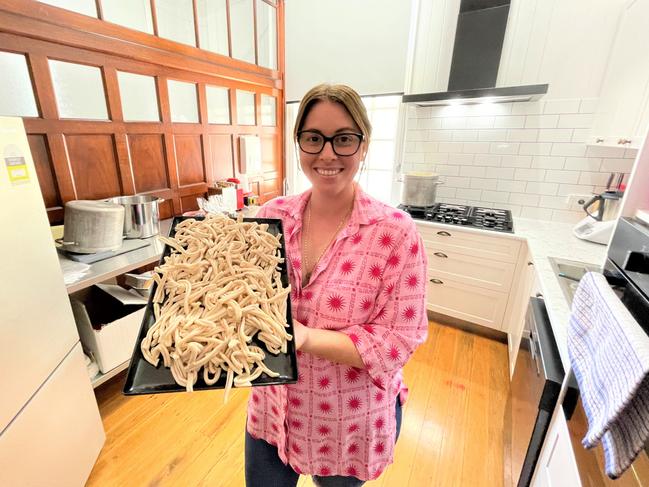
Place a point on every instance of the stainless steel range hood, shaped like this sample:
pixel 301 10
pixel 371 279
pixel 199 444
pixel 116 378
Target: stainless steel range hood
pixel 477 49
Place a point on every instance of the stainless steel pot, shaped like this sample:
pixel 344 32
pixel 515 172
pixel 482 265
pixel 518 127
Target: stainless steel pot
pixel 419 188
pixel 92 226
pixel 141 215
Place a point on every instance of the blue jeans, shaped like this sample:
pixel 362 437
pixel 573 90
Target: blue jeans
pixel 265 469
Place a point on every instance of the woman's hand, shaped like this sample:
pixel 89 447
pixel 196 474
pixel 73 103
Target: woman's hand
pixel 300 334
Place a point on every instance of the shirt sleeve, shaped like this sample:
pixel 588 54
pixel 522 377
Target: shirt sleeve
pixel 399 323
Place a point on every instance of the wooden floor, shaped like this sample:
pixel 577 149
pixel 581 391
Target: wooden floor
pixel 451 433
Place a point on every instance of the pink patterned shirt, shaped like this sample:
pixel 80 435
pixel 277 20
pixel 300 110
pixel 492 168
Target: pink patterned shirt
pixel 370 284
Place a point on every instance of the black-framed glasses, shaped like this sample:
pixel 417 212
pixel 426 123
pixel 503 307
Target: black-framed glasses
pixel 343 144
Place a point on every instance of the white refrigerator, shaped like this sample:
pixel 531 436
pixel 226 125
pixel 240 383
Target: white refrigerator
pixel 50 429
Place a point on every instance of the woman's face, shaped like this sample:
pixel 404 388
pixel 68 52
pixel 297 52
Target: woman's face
pixel 326 170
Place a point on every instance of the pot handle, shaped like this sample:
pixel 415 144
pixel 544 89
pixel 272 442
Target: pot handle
pixel 61 242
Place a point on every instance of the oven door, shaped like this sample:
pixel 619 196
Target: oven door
pixel 534 391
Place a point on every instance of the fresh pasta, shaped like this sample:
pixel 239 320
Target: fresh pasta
pixel 218 288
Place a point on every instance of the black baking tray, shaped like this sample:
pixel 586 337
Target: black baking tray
pixel 144 378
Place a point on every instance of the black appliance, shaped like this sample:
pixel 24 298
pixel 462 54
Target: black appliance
pixel 470 216
pixel 627 272
pixel 533 396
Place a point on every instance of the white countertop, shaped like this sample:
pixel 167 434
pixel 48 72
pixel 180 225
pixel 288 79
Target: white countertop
pixel 550 239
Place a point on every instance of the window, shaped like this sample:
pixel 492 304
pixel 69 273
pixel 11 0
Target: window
pixel 377 175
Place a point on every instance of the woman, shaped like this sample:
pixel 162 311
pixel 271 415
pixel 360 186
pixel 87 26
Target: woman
pixel 357 269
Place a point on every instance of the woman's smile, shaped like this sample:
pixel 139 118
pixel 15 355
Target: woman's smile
pixel 328 171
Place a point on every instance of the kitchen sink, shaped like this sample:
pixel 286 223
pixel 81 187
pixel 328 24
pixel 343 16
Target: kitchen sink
pixel 569 272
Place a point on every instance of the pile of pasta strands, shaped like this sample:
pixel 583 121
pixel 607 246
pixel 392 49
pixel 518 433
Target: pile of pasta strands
pixel 219 287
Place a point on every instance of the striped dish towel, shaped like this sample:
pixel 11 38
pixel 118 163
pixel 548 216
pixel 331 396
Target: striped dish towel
pixel 609 353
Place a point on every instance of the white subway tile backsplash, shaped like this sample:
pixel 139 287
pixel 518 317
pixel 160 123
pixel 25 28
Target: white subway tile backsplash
pixel 548 162
pixel 588 105
pixel 509 122
pixel 461 159
pixel 496 196
pixel 492 160
pixel 480 122
pixel 504 148
pixel 454 123
pixel 493 135
pixel 554 202
pixel 594 178
pixel 476 147
pixel 567 216
pixel 536 213
pixel 522 135
pixel 583 163
pixel 555 135
pixel 527 108
pixel 541 121
pixel 429 123
pixel 562 106
pixel 516 161
pixel 617 165
pixel 580 135
pixel 529 174
pixel 535 148
pixel 524 199
pixel 473 171
pixel 481 183
pixel 549 189
pixel 565 177
pixel 576 121
pixel 574 150
pixel 525 157
pixel 599 151
pixel 511 186
pixel 465 135
pixel 450 146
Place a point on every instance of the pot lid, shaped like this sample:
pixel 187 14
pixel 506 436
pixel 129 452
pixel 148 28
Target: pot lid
pixel 96 206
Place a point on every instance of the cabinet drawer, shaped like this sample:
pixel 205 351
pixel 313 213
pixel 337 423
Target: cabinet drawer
pixel 503 249
pixel 470 303
pixel 445 263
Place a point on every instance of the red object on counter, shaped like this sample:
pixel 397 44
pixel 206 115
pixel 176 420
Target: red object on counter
pixel 233 180
pixel 239 198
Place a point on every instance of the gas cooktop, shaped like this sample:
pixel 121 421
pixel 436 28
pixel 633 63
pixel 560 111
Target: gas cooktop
pixel 470 216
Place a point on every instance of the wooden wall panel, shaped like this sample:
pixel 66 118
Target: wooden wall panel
pixel 270 188
pixel 44 170
pixel 269 152
pixel 148 162
pixel 221 157
pixel 189 203
pixel 166 209
pixel 94 166
pixel 189 157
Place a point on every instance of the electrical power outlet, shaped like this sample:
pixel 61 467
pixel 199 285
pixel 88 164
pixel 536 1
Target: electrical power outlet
pixel 575 202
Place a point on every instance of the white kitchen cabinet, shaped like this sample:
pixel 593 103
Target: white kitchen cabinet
pixel 470 273
pixel 557 466
pixel 623 112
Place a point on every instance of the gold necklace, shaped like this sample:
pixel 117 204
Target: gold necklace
pixel 306 236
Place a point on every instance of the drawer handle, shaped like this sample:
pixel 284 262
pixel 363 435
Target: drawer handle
pixel 539 295
pixel 441 254
pixel 624 141
pixel 437 281
pixel 530 263
pixel 443 233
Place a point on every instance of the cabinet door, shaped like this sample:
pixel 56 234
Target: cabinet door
pixel 557 466
pixel 622 111
pixel 473 304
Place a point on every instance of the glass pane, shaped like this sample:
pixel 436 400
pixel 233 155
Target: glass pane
pixel 176 20
pixel 183 101
pixel 218 105
pixel 245 108
pixel 266 35
pixel 268 110
pixel 85 7
pixel 17 98
pixel 79 91
pixel 134 14
pixel 242 23
pixel 384 123
pixel 381 155
pixel 139 98
pixel 213 25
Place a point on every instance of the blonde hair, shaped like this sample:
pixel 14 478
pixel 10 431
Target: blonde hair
pixel 342 94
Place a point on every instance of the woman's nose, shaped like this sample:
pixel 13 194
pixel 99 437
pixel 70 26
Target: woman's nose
pixel 327 151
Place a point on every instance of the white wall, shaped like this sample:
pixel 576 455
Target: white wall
pixel 565 43
pixel 362 43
